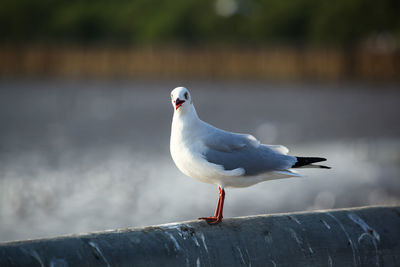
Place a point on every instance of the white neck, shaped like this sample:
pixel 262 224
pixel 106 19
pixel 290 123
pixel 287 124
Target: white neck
pixel 185 120
pixel 187 115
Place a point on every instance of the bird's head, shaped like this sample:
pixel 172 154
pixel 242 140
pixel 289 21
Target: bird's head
pixel 181 99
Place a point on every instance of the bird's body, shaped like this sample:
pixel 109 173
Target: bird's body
pixel 197 147
pixel 219 157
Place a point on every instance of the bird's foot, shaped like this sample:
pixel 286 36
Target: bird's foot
pixel 211 219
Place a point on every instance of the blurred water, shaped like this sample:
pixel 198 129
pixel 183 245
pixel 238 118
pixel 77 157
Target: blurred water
pixel 79 156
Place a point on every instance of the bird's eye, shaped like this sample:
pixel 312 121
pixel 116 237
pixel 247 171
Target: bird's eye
pixel 186 95
pixel 172 96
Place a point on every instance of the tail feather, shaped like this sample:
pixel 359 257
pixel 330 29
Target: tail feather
pixel 307 162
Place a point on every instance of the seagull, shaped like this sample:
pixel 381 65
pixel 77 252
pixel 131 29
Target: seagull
pixel 223 158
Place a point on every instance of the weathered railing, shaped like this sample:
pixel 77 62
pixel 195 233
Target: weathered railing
pixel 368 236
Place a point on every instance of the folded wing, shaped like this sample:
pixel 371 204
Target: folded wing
pixel 233 151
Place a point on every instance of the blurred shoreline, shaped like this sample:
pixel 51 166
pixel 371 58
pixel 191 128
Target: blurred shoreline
pixel 280 63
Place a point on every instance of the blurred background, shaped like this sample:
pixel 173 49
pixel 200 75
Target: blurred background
pixel 85 111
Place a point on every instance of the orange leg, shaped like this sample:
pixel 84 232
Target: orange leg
pixel 218 211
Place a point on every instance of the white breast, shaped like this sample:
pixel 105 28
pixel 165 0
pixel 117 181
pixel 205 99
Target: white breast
pixel 185 153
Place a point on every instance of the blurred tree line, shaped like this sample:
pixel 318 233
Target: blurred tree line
pixel 194 22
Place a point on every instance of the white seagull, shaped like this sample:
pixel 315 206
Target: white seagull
pixel 226 159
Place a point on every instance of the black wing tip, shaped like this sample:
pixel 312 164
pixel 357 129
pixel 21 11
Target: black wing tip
pixel 303 161
pixel 316 159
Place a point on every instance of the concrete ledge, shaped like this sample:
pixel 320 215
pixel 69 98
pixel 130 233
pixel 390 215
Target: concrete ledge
pixel 368 236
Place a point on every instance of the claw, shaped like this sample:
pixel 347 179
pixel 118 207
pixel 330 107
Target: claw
pixel 211 219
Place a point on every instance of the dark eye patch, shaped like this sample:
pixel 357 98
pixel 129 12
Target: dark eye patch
pixel 186 95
